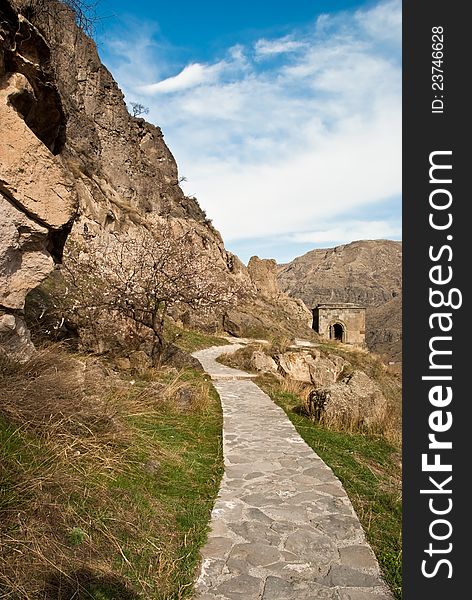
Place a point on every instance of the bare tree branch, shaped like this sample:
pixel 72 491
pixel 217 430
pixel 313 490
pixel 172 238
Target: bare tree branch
pixel 141 278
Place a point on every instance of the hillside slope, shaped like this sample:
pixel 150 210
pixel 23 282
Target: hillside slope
pixel 76 166
pixel 367 272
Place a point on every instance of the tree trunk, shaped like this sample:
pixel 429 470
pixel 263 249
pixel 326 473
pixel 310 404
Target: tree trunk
pixel 158 343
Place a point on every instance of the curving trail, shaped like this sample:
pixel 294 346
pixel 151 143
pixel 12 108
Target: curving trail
pixel 282 527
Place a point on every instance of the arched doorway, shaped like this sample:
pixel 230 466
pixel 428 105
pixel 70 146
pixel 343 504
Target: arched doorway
pixel 337 332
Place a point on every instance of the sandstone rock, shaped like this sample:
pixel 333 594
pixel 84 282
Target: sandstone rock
pixel 311 367
pixel 263 273
pixel 24 261
pixel 7 324
pixel 296 365
pixel 122 363
pixel 355 400
pixel 37 195
pixel 139 360
pixel 242 324
pixel 100 171
pixel 15 338
pixel 261 362
pixel 178 358
pixel 30 175
pixel 326 369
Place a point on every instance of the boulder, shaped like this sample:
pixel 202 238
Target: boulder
pixel 356 401
pixel 15 338
pixel 261 362
pixel 263 274
pixel 122 363
pixel 178 358
pixel 296 365
pixel 311 367
pixel 242 324
pixel 139 361
pixel 326 369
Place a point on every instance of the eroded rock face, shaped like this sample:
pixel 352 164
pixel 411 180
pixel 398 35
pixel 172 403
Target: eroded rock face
pixel 263 363
pixel 352 400
pixel 95 173
pixel 75 165
pixel 37 195
pixel 31 177
pixel 263 273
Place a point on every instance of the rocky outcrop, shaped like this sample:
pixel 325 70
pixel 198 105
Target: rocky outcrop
pixel 269 312
pixel 263 363
pixel 354 402
pixel 74 164
pixel 367 272
pixel 311 367
pixel 37 194
pixel 263 274
pixel 334 391
pixel 125 175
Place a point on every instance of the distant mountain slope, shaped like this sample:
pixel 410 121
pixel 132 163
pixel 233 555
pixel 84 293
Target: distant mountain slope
pixel 384 328
pixel 368 272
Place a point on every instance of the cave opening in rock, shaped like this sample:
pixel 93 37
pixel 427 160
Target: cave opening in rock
pixel 337 332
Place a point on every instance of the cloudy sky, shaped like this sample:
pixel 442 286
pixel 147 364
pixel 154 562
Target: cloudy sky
pixel 284 117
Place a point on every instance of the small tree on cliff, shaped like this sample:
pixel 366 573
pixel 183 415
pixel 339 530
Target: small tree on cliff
pixel 139 109
pixel 84 11
pixel 140 278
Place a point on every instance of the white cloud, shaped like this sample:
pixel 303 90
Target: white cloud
pixel 191 76
pixel 265 47
pixel 384 22
pixel 290 145
pixel 351 230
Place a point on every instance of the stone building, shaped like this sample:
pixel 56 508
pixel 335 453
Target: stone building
pixel 341 321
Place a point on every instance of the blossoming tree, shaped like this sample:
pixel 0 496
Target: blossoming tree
pixel 140 278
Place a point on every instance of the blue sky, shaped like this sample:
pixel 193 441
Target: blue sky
pixel 284 117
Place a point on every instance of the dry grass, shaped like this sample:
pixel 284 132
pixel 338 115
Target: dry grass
pixel 387 379
pixel 241 359
pixel 279 345
pixel 107 483
pixel 340 418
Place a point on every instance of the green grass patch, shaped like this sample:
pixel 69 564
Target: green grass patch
pixel 191 340
pixel 368 467
pixel 106 491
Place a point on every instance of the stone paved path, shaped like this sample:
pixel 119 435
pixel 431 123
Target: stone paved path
pixel 282 527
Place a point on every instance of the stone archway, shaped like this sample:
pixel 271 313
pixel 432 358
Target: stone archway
pixel 337 331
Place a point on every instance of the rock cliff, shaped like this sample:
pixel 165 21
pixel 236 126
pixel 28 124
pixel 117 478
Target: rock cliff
pixel 270 312
pixel 38 199
pixel 75 165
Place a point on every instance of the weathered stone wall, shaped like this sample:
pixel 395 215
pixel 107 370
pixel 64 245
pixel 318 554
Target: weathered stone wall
pixel 352 319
